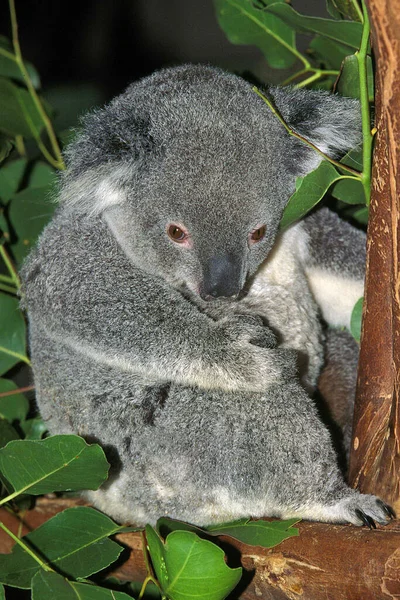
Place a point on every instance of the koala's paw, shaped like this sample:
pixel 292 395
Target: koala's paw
pixel 248 328
pixel 363 509
pixel 250 357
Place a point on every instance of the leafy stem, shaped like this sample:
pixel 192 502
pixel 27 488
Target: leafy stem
pixel 10 267
pixel 57 160
pixel 365 110
pixel 25 547
pixel 150 572
pixel 7 288
pixel 339 165
pixel 316 74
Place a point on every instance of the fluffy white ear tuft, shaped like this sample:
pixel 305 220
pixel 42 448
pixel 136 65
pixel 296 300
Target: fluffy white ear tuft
pixel 96 190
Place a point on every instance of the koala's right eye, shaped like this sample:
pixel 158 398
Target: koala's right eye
pixel 177 234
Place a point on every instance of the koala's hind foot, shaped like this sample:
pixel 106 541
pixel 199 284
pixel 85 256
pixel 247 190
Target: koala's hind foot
pixel 358 509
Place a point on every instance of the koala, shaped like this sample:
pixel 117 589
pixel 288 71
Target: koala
pixel 169 317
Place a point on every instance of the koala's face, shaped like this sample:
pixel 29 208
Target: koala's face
pixel 205 214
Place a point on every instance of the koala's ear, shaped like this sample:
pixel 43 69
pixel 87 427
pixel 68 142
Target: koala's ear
pixel 331 122
pixel 113 144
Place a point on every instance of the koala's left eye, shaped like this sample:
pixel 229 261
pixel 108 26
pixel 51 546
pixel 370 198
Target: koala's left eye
pixel 178 234
pixel 258 234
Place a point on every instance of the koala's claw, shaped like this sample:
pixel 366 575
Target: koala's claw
pixel 366 519
pixel 388 509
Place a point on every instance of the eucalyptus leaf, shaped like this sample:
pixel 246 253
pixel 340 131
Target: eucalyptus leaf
pixel 327 52
pixel 347 8
pixel 186 563
pixel 6 145
pixel 255 533
pixel 42 176
pixel 11 175
pixel 349 190
pixel 19 114
pixel 7 433
pixel 75 542
pixel 346 32
pixel 33 428
pixel 30 210
pixel 311 190
pixel 360 215
pixel 12 333
pixel 354 159
pixel 9 66
pixel 349 83
pixel 52 586
pixel 332 10
pixel 355 320
pixel 244 23
pixel 58 463
pixel 13 406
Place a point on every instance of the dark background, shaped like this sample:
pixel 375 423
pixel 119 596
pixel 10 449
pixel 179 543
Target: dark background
pixel 88 51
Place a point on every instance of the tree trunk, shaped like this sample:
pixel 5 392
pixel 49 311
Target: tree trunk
pixel 375 457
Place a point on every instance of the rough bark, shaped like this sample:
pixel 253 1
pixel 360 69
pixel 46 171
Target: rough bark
pixel 325 562
pixel 375 458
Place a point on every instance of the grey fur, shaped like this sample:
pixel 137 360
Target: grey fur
pixel 197 401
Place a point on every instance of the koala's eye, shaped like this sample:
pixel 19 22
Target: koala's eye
pixel 177 234
pixel 258 234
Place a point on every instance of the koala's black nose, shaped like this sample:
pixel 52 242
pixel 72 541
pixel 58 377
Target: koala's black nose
pixel 222 277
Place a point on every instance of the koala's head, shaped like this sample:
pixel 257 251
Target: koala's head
pixel 191 171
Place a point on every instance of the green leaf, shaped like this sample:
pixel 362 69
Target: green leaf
pixel 354 159
pixel 51 586
pixel 29 212
pixel 2 593
pixel 13 407
pixel 33 428
pixel 332 10
pixel 12 333
pixel 186 563
pixel 349 84
pixel 9 66
pixel 311 190
pixel 7 433
pixel 355 320
pixel 11 175
pixel 244 23
pixel 327 52
pixel 19 115
pixel 360 215
pixel 56 464
pixel 6 146
pixel 345 32
pixel 347 8
pixel 75 542
pixel 349 190
pixel 42 175
pixel 255 533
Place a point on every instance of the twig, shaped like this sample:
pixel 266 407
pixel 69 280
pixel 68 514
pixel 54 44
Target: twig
pixel 365 110
pixel 26 548
pixel 57 161
pixel 294 133
pixel 10 267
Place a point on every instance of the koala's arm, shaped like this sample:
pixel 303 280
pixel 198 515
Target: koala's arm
pixel 334 264
pixel 80 289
